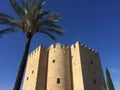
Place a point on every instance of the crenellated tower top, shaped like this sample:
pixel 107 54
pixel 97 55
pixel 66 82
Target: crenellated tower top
pixel 81 45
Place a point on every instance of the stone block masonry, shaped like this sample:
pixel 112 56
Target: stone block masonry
pixel 62 67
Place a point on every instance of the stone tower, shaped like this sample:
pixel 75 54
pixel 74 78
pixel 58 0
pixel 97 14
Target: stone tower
pixel 61 67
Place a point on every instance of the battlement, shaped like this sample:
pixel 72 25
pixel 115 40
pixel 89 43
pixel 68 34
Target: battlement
pixel 81 45
pixel 36 50
pixel 58 45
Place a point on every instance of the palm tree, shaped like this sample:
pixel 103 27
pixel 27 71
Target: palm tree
pixel 109 80
pixel 32 19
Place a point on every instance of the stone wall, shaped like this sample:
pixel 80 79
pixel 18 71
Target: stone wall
pixel 61 67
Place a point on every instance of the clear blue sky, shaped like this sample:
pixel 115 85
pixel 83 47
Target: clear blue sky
pixel 95 23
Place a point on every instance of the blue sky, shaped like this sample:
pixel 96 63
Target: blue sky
pixel 95 23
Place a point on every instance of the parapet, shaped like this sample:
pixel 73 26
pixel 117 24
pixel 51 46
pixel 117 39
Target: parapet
pixel 81 45
pixel 58 45
pixel 36 50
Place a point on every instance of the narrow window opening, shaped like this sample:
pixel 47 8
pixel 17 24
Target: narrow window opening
pixel 91 62
pixel 58 80
pixel 53 61
pixel 32 71
pixel 27 78
pixel 94 81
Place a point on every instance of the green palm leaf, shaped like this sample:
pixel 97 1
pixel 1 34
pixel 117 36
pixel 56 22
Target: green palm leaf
pixel 3 15
pixel 50 35
pixel 18 10
pixel 33 4
pixel 55 29
pixel 42 15
pixel 12 22
pixel 53 17
pixel 50 19
pixel 8 30
pixel 39 7
pixel 52 28
pixel 25 6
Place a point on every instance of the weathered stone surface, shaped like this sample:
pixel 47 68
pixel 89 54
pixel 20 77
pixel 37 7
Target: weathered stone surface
pixel 61 67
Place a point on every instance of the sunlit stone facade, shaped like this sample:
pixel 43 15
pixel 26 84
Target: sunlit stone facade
pixel 62 67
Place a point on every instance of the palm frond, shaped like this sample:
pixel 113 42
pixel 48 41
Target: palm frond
pixel 48 23
pixel 51 27
pixel 19 11
pixel 33 4
pixel 50 19
pixel 53 17
pixel 42 14
pixel 29 9
pixel 56 29
pixel 39 7
pixel 8 30
pixel 49 34
pixel 3 15
pixel 25 6
pixel 4 20
pixel 13 22
pixel 35 10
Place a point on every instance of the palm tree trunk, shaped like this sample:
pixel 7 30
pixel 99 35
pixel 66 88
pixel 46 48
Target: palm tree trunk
pixel 22 64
